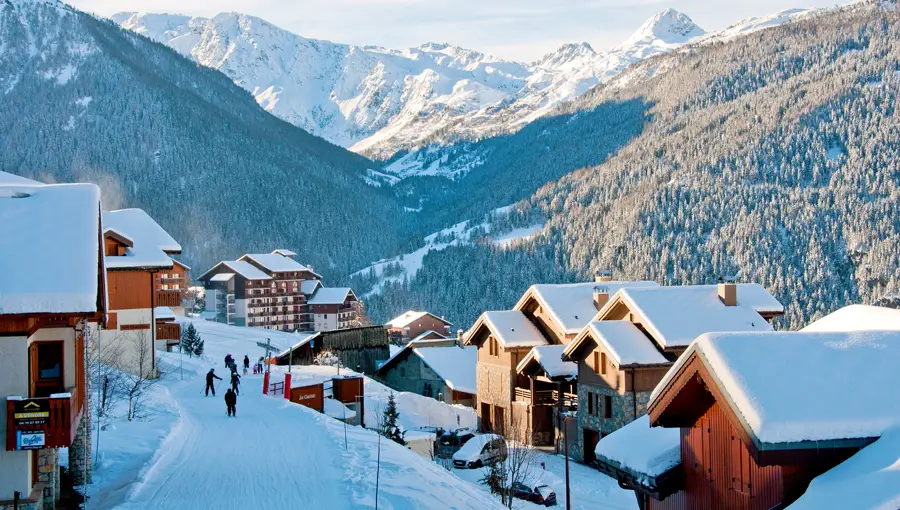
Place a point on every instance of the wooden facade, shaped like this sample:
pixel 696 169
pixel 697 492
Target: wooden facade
pixel 721 464
pixel 130 289
pixel 359 349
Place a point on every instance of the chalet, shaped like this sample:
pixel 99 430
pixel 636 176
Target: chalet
pixel 51 302
pixel 748 420
pixel 334 308
pixel 526 393
pixel 441 369
pixel 418 325
pixel 359 349
pixel 636 336
pixel 142 279
pixel 272 291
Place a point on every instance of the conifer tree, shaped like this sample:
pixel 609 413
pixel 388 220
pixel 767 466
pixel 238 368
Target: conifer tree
pixel 189 337
pixel 390 428
pixel 198 347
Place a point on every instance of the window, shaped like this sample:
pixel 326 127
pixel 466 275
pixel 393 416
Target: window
pixel 590 404
pixel 602 363
pixel 607 406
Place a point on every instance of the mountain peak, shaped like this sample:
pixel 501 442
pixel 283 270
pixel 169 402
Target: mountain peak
pixel 668 26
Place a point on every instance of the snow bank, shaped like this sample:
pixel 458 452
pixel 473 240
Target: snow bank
pixel 643 450
pixel 50 261
pixel 869 480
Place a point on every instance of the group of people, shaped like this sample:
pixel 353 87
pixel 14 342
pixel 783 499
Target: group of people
pixel 234 390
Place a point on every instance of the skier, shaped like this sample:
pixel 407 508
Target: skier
pixel 231 403
pixel 228 360
pixel 260 363
pixel 235 382
pixel 246 364
pixel 209 381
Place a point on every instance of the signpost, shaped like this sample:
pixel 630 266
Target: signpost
pixel 30 419
pixel 269 349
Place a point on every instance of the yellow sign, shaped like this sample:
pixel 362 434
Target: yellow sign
pixel 31 415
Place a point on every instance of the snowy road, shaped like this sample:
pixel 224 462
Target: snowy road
pixel 212 461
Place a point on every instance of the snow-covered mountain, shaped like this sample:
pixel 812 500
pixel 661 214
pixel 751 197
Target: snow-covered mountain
pixel 377 100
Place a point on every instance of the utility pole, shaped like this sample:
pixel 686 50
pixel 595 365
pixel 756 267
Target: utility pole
pixel 566 433
pixel 377 471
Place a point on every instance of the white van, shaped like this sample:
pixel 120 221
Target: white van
pixel 480 451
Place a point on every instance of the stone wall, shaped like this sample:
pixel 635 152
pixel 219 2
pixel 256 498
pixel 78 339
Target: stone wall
pixel 80 452
pixel 33 501
pixel 493 384
pixel 622 413
pixel 48 474
pixel 412 374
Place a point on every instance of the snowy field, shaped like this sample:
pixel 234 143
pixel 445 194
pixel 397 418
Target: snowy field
pixel 188 455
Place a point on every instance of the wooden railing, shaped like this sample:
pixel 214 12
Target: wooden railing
pixel 168 297
pixel 168 331
pixel 545 397
pixel 65 413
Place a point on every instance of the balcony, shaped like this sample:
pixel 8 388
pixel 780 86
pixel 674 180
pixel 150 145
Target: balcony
pixel 168 297
pixel 168 331
pixel 545 397
pixel 60 426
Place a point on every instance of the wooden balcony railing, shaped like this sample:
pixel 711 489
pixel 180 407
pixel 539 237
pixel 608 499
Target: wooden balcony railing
pixel 168 297
pixel 60 427
pixel 545 397
pixel 168 331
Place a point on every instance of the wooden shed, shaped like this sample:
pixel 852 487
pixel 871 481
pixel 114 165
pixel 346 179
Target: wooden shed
pixel 358 348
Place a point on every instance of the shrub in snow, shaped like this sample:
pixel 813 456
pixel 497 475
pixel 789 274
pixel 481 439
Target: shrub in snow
pixel 389 426
pixel 327 359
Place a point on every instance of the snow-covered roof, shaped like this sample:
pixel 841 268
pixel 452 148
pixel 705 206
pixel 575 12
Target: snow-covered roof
pixel 407 318
pixel 675 316
pixel 869 480
pixel 511 328
pixel 623 341
pixel 424 336
pixel 275 262
pixel 222 277
pixel 455 365
pixel 50 257
pixel 549 357
pixel 309 286
pixel 163 312
pixel 246 270
pixel 641 449
pixel 858 318
pixel 121 236
pixel 16 180
pixel 331 296
pixel 286 253
pixel 138 225
pixel 572 305
pixel 776 381
pixel 303 339
pixel 142 256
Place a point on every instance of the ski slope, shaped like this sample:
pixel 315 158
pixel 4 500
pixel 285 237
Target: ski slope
pixel 273 454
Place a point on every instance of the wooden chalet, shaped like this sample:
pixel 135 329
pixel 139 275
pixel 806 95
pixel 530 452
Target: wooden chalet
pixel 635 337
pixel 51 300
pixel 359 349
pixel 759 416
pixel 438 368
pixel 412 325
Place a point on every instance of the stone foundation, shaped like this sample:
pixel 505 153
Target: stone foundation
pixel 48 475
pixel 623 413
pixel 80 452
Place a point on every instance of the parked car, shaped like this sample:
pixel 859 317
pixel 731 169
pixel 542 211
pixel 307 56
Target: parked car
pixel 450 442
pixel 540 494
pixel 480 451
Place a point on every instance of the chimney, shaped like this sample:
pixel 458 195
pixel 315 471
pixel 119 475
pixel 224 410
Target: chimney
pixel 728 292
pixel 604 275
pixel 459 338
pixel 601 297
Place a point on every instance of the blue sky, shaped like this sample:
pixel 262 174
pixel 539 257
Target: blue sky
pixel 523 29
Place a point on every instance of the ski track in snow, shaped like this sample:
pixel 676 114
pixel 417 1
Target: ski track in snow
pixel 211 461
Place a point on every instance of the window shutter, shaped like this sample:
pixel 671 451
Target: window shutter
pixel 602 363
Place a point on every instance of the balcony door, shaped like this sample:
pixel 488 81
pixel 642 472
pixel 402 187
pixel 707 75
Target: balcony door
pixel 46 368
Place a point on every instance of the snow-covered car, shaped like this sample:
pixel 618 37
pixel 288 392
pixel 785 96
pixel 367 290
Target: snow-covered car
pixel 541 494
pixel 480 451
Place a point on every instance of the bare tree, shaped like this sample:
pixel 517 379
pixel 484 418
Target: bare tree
pixel 139 372
pixel 517 464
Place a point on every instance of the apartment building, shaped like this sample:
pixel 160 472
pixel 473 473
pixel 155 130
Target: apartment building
pixel 274 291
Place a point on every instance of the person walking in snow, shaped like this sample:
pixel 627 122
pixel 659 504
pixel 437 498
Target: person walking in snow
pixel 231 403
pixel 235 382
pixel 228 360
pixel 209 381
pixel 246 364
